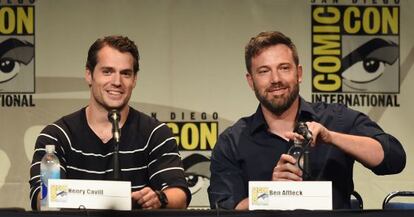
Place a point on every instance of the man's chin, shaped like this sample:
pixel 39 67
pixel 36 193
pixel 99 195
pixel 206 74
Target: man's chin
pixel 277 102
pixel 117 106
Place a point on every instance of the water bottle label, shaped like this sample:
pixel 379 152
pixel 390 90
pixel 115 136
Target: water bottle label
pixel 44 191
pixel 54 174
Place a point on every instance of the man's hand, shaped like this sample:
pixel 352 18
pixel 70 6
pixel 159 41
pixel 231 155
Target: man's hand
pixel 365 150
pixel 286 170
pixel 147 198
pixel 319 132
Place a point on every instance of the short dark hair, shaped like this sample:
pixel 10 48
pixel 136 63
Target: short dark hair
pixel 121 43
pixel 264 40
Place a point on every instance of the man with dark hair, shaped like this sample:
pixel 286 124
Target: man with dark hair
pixel 122 44
pixel 255 148
pixel 148 153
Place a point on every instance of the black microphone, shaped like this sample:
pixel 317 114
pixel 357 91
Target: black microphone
pixel 303 130
pixel 114 117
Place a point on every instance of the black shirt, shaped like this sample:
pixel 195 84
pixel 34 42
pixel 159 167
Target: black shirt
pixel 247 151
pixel 148 153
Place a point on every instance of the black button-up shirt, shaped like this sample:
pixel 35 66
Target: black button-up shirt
pixel 247 151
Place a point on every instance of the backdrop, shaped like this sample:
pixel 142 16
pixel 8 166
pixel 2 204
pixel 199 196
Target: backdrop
pixel 192 75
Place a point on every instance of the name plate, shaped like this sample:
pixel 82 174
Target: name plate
pixel 290 195
pixel 89 194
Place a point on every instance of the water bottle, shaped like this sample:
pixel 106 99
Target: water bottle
pixel 49 169
pixel 297 152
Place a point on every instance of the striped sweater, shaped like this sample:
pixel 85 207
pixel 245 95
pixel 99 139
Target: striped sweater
pixel 148 153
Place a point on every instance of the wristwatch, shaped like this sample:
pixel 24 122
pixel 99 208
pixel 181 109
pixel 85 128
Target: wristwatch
pixel 163 198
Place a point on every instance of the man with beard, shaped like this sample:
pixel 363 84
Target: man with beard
pixel 255 148
pixel 84 144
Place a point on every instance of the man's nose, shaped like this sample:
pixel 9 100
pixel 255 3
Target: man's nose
pixel 116 78
pixel 275 76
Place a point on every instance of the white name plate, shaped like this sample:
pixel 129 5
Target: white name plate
pixel 89 194
pixel 290 195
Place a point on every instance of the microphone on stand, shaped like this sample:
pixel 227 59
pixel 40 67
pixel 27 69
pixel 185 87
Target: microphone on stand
pixel 114 117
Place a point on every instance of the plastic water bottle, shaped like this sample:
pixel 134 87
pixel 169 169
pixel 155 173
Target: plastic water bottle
pixel 49 169
pixel 297 152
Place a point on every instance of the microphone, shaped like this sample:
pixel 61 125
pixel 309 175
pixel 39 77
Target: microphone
pixel 303 130
pixel 114 117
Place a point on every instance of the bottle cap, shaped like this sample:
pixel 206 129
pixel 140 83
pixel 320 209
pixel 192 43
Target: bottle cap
pixel 50 148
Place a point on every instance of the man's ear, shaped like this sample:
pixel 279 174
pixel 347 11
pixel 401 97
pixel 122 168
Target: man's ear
pixel 88 77
pixel 135 80
pixel 300 73
pixel 249 79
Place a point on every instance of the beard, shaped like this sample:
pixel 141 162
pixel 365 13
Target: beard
pixel 278 108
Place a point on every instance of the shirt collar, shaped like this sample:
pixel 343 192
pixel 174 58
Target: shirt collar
pixel 306 113
pixel 258 121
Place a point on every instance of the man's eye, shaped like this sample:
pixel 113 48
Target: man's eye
pixel 127 74
pixel 284 68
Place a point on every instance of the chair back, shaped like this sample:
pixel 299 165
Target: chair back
pixel 388 204
pixel 356 201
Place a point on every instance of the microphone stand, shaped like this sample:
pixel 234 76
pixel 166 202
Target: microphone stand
pixel 117 175
pixel 114 117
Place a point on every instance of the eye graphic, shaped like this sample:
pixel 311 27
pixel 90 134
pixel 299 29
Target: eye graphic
pixel 368 62
pixel 195 182
pixel 197 172
pixel 191 179
pixel 8 69
pixel 13 53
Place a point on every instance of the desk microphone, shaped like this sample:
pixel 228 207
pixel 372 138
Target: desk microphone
pixel 114 117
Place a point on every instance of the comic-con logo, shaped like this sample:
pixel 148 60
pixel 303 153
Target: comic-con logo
pixel 59 193
pixel 196 134
pixel 17 67
pixel 260 195
pixel 355 54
